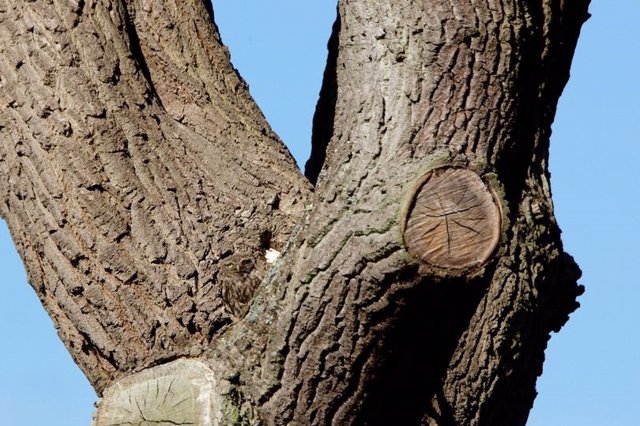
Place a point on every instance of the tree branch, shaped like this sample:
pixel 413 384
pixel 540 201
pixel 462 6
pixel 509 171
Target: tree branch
pixel 364 333
pixel 138 176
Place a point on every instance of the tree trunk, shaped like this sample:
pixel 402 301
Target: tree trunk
pixel 418 282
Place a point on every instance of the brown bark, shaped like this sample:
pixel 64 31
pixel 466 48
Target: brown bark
pixel 125 195
pixel 143 188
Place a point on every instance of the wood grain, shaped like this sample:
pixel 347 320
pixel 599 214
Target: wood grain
pixel 454 222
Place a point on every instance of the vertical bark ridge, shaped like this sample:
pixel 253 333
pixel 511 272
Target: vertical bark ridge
pixel 522 297
pixel 132 217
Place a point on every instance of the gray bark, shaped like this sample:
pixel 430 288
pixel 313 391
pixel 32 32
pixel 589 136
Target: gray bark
pixel 143 188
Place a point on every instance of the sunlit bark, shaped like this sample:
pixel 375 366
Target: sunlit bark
pixel 418 282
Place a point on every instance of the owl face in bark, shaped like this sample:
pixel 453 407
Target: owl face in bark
pixel 239 276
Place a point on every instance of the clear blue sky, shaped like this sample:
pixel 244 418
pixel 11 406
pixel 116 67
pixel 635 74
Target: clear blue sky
pixel 592 372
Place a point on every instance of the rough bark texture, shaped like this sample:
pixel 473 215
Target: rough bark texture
pixel 143 187
pixel 122 187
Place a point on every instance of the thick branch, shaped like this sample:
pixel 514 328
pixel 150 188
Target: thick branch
pixel 141 184
pixel 365 333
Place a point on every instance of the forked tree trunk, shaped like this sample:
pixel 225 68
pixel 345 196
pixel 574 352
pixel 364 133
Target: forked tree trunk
pixel 419 281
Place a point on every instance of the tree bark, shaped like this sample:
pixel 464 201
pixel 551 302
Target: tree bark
pixel 125 195
pixel 419 281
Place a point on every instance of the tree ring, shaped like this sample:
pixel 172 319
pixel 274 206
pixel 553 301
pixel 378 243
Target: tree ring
pixel 454 222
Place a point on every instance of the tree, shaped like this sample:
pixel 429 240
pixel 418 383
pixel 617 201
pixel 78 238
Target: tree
pixel 420 271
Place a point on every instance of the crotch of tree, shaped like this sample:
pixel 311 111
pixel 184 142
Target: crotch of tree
pixel 454 221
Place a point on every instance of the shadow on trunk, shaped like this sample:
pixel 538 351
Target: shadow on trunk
pixel 431 319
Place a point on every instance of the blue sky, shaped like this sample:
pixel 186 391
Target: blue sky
pixel 592 372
